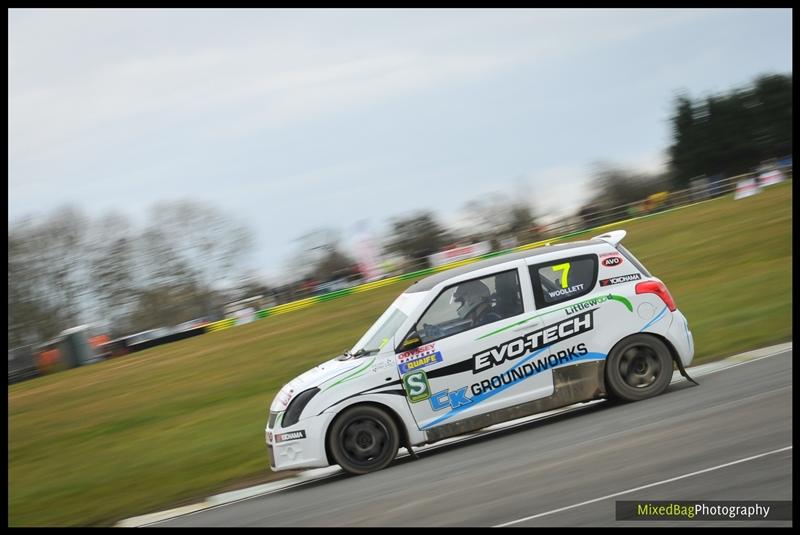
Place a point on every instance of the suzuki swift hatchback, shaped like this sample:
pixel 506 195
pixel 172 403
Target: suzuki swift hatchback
pixel 492 341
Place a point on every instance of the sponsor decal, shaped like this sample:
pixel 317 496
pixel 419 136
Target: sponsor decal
pixel 294 435
pixel 612 261
pixel 585 305
pixel 566 291
pixel 564 269
pixel 527 343
pixel 421 350
pixel 444 399
pixel 620 279
pixel 457 400
pixel 529 369
pixel 416 386
pixel 420 361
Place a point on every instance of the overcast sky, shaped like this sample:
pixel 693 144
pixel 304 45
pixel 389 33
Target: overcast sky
pixel 291 120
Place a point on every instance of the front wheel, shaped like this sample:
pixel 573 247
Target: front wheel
pixel 638 367
pixel 364 439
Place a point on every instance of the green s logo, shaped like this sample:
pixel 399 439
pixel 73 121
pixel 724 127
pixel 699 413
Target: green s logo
pixel 416 386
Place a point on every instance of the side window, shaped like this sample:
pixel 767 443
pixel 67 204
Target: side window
pixel 470 304
pixel 563 279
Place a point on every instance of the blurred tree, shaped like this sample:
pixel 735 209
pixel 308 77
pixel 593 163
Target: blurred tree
pixel 169 305
pixel 774 121
pixel 522 223
pixel 483 217
pixel 48 275
pixel 189 249
pixel 64 270
pixel 320 256
pixel 497 217
pixel 30 314
pixel 113 269
pixel 614 187
pixel 686 150
pixel 334 264
pixel 251 286
pixel 733 133
pixel 203 239
pixel 416 236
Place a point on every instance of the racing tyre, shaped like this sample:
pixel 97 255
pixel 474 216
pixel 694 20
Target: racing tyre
pixel 638 367
pixel 364 439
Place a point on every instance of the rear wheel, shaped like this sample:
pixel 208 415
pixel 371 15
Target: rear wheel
pixel 638 367
pixel 364 439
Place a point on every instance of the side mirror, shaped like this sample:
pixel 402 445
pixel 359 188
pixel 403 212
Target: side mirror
pixel 411 341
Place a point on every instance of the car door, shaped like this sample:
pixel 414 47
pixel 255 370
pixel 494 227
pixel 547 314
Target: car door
pixel 455 366
pixel 564 291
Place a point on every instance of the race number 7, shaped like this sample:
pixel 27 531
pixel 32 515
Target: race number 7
pixel 564 269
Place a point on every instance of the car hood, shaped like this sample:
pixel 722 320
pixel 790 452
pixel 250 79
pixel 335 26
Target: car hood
pixel 315 377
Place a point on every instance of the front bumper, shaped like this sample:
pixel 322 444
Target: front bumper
pixel 299 446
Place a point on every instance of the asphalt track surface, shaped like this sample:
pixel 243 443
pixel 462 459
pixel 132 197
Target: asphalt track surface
pixel 542 473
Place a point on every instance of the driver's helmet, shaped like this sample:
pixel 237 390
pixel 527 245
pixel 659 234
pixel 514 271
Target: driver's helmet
pixel 469 295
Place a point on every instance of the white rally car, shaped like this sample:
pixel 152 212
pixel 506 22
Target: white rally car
pixel 492 341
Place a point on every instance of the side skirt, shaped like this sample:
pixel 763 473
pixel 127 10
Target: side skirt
pixel 572 384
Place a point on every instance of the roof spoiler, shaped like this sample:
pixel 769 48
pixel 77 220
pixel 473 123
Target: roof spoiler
pixel 613 237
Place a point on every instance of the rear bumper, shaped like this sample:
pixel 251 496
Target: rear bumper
pixel 681 338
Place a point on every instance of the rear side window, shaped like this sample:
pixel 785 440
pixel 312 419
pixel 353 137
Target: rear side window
pixel 564 279
pixel 627 254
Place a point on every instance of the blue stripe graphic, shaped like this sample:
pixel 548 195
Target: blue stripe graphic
pixel 652 321
pixel 486 395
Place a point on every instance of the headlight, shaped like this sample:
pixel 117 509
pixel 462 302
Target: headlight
pixel 271 422
pixel 296 406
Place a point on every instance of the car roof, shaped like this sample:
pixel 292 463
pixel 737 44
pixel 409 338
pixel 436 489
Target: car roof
pixel 427 283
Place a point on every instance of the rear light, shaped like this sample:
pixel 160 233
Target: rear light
pixel 658 288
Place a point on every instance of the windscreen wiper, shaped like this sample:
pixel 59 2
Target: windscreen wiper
pixel 363 352
pixel 360 353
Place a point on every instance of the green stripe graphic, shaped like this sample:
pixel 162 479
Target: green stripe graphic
pixel 598 300
pixel 360 371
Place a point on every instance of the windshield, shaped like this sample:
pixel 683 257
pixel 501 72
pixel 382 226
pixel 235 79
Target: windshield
pixel 381 332
pixel 385 331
